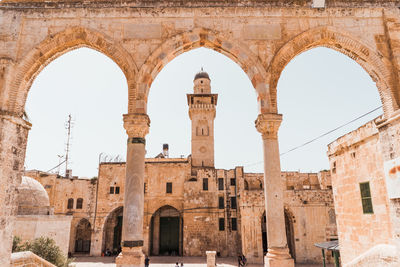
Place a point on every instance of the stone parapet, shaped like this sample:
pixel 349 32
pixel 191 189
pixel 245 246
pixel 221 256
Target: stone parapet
pixel 27 259
pixel 353 138
pixel 202 3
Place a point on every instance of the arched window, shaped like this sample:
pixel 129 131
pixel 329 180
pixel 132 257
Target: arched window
pixel 79 203
pixel 70 203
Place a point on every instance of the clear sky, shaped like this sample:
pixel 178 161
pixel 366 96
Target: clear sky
pixel 318 91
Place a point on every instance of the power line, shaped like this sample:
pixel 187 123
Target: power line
pixel 56 166
pixel 331 131
pixel 322 135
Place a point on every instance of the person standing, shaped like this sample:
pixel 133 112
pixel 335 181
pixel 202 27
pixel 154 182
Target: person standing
pixel 146 262
pixel 239 260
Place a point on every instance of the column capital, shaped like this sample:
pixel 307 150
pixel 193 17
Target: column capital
pixel 136 124
pixel 268 124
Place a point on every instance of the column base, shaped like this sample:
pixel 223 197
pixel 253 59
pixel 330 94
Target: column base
pixel 278 257
pixel 130 257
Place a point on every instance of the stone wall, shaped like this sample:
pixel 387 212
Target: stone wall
pixel 29 227
pixel 310 212
pixel 357 158
pixel 13 137
pixel 60 190
pixel 310 208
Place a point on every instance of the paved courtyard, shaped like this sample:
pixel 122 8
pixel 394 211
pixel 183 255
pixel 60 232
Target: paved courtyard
pixel 170 262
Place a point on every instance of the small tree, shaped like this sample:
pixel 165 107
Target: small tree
pixel 47 249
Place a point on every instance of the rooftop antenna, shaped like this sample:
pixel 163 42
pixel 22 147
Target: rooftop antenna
pixel 68 126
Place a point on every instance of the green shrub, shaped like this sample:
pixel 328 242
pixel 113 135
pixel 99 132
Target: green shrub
pixel 16 245
pixel 45 248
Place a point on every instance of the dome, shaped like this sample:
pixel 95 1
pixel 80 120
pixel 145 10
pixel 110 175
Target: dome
pixel 32 198
pixel 201 74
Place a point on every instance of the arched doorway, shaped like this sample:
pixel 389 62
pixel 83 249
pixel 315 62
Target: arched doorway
pixel 166 232
pixel 83 236
pixel 113 231
pixel 264 233
pixel 289 234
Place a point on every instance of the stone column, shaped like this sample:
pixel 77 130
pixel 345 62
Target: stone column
pixel 278 253
pixel 13 138
pixel 136 126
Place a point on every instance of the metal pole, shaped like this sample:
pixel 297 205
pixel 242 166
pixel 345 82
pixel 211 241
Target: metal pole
pixel 323 258
pixel 336 255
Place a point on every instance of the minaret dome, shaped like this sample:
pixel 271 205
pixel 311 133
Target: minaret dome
pixel 202 83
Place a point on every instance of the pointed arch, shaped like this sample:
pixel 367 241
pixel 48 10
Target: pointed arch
pixel 184 42
pixel 373 62
pixel 56 45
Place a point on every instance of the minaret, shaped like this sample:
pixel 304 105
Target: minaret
pixel 202 113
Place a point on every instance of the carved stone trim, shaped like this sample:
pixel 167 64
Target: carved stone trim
pixel 136 140
pixel 132 244
pixel 136 125
pixel 268 125
pixel 13 118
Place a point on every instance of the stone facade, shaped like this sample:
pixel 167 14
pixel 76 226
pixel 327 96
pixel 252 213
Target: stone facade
pixel 356 159
pixel 262 37
pixel 308 207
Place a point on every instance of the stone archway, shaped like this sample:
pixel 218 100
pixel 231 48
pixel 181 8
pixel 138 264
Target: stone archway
pixel 56 45
pixel 83 236
pixel 166 232
pixel 374 63
pixel 199 37
pixel 264 233
pixel 289 233
pixel 112 231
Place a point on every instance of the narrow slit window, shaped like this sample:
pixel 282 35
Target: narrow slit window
pixel 233 203
pixel 205 184
pixel 111 189
pixel 117 190
pixel 169 188
pixel 220 183
pixel 221 223
pixel 79 203
pixel 70 203
pixel 234 224
pixel 221 202
pixel 366 198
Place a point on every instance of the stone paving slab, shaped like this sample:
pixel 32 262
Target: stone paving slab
pixel 170 262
